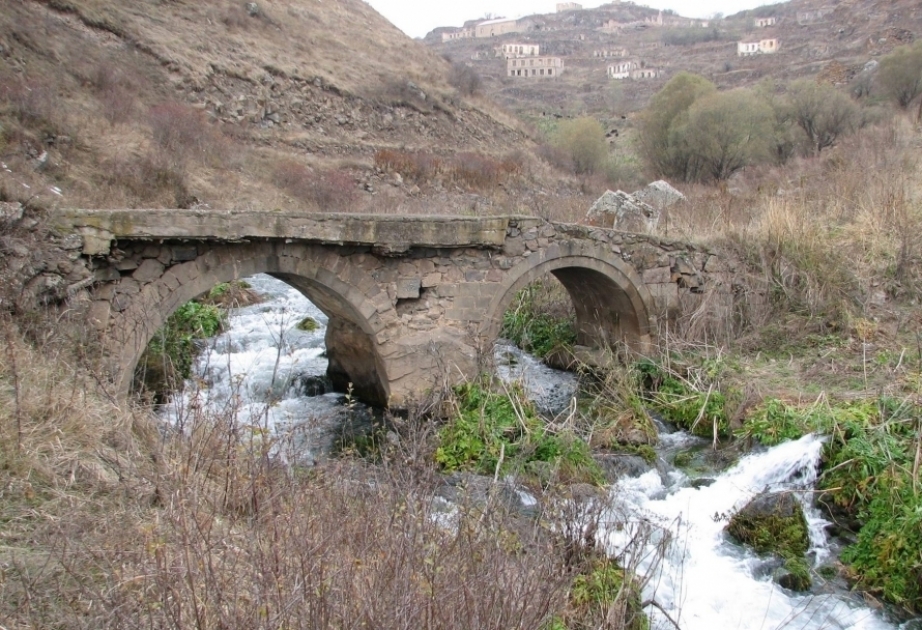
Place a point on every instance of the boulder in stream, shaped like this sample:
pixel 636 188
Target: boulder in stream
pixel 773 522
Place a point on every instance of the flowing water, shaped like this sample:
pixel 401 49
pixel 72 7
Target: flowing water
pixel 262 369
pixel 703 581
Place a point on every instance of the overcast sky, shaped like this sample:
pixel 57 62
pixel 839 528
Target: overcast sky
pixel 418 17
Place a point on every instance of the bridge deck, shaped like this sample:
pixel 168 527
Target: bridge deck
pixel 388 232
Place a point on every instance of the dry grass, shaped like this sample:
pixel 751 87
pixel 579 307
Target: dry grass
pixel 111 520
pixel 828 239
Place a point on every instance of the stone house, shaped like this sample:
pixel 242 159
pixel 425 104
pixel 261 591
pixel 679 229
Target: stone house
pixel 810 17
pixel 764 22
pixel 510 51
pixel 644 73
pixel 492 28
pixel 761 47
pixel 607 53
pixel 622 70
pixel 568 6
pixel 540 67
pixel 464 33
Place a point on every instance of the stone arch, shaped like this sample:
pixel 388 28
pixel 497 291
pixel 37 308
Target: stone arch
pixel 131 330
pixel 613 306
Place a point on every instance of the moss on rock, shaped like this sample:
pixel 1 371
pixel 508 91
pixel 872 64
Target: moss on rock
pixel 773 522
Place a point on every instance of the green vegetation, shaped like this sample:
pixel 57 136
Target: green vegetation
pixel 870 472
pixel 168 359
pixel 773 422
pixel 664 151
pixel 500 432
pixel 176 340
pixel 691 132
pixel 822 112
pixel 536 323
pixel 726 131
pixel 797 576
pixel 694 402
pixel 602 594
pixel 308 324
pixel 780 532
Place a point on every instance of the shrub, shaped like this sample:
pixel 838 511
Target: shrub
pixel 114 89
pixel 726 131
pixel 471 170
pixel 183 132
pixel 465 79
pixel 900 74
pixel 147 181
pixel 480 172
pixel 822 112
pixel 664 151
pixel 583 141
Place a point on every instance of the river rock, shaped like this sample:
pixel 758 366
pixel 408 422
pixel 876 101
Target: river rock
pixel 616 466
pixel 772 522
pixel 462 487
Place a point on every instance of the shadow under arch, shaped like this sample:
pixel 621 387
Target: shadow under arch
pixel 352 319
pixel 614 309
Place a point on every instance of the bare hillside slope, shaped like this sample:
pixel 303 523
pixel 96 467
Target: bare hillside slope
pixel 152 103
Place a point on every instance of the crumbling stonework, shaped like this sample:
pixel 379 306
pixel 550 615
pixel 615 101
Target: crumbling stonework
pixel 38 267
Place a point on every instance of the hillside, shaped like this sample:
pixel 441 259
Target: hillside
pixel 814 36
pixel 136 103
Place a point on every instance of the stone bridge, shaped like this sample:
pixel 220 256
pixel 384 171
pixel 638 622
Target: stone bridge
pixel 413 301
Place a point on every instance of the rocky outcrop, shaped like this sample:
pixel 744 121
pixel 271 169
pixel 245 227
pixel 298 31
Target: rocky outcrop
pixel 774 523
pixel 634 212
pixel 659 194
pixel 624 212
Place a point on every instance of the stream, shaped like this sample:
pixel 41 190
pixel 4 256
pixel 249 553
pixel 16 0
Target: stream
pixel 267 373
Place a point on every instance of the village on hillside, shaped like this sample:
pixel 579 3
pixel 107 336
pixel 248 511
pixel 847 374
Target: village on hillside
pixel 521 48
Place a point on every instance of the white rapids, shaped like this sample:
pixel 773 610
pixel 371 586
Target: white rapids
pixel 699 577
pixel 255 372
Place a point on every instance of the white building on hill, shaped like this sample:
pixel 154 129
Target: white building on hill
pixel 539 67
pixel 521 50
pixel 622 70
pixel 762 47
